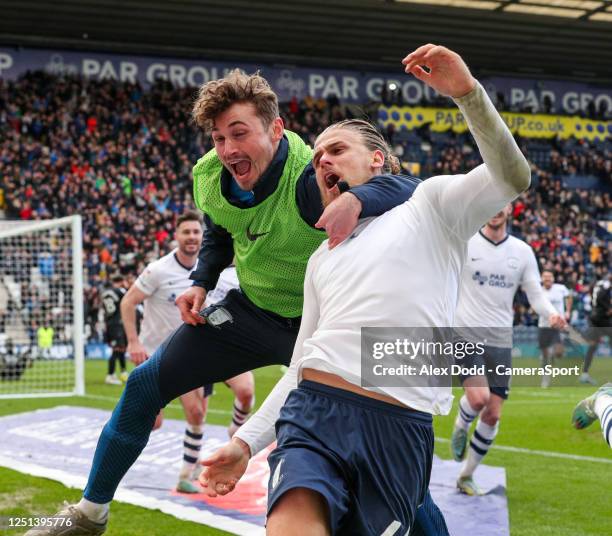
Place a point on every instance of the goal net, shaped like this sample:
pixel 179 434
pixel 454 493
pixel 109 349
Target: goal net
pixel 41 308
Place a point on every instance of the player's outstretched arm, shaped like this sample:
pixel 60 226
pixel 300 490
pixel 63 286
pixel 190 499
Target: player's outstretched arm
pixel 449 75
pixel 465 202
pixel 542 305
pixel 530 283
pixel 130 301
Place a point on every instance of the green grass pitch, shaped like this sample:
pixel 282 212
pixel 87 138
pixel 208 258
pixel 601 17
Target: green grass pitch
pixel 547 494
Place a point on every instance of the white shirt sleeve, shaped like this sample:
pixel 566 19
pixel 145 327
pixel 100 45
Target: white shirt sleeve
pixel 258 432
pixel 530 283
pixel 465 202
pixel 564 291
pixel 147 281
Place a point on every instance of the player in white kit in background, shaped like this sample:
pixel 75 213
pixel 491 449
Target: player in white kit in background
pixel 549 339
pixel 496 265
pixel 158 286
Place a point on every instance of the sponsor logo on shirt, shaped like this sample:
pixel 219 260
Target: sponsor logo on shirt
pixel 493 280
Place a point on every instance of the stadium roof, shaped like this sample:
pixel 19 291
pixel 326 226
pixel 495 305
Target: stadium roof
pixel 566 39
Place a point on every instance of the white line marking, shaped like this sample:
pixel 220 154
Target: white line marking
pixel 172 406
pixel 545 453
pixel 552 401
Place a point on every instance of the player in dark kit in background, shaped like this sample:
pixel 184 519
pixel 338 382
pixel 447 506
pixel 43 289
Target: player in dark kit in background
pixel 114 333
pixel 601 312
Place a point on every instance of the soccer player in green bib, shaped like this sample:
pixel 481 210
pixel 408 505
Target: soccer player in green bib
pixel 262 206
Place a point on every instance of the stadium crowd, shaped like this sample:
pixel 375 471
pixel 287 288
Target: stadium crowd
pixel 121 157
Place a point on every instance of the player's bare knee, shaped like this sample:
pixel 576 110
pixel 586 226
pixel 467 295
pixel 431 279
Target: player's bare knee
pixel 194 414
pixel 478 398
pixel 245 395
pixel 491 416
pixel 299 511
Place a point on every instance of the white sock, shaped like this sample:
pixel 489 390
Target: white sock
pixel 241 412
pixel 192 444
pixel 603 409
pixel 466 414
pixel 483 436
pixel 98 513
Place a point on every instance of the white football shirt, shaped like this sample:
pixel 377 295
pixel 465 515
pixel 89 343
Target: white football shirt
pixel 163 281
pixel 490 278
pixel 556 295
pixel 228 280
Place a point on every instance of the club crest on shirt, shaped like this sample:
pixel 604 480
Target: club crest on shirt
pixel 493 280
pixel 513 263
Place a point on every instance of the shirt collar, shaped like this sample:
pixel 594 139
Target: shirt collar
pixel 268 182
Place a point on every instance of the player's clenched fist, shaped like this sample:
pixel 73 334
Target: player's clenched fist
pixel 137 352
pixel 448 74
pixel 190 303
pixel 340 218
pixel 557 321
pixel 224 468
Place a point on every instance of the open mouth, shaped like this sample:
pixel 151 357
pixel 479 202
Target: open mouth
pixel 240 168
pixel 331 179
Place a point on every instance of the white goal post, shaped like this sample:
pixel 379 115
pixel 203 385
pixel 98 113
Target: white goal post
pixel 41 308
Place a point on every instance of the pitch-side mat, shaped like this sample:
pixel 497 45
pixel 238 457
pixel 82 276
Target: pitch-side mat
pixel 58 443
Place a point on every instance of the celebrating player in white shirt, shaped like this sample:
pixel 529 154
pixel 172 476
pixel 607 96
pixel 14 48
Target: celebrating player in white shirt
pixel 497 264
pixel 158 286
pixel 357 459
pixel 549 339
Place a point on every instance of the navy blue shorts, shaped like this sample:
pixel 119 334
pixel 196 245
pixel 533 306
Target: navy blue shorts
pixel 548 337
pixel 115 336
pixel 499 384
pixel 370 460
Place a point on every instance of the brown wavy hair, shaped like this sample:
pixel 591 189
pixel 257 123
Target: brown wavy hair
pixel 216 96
